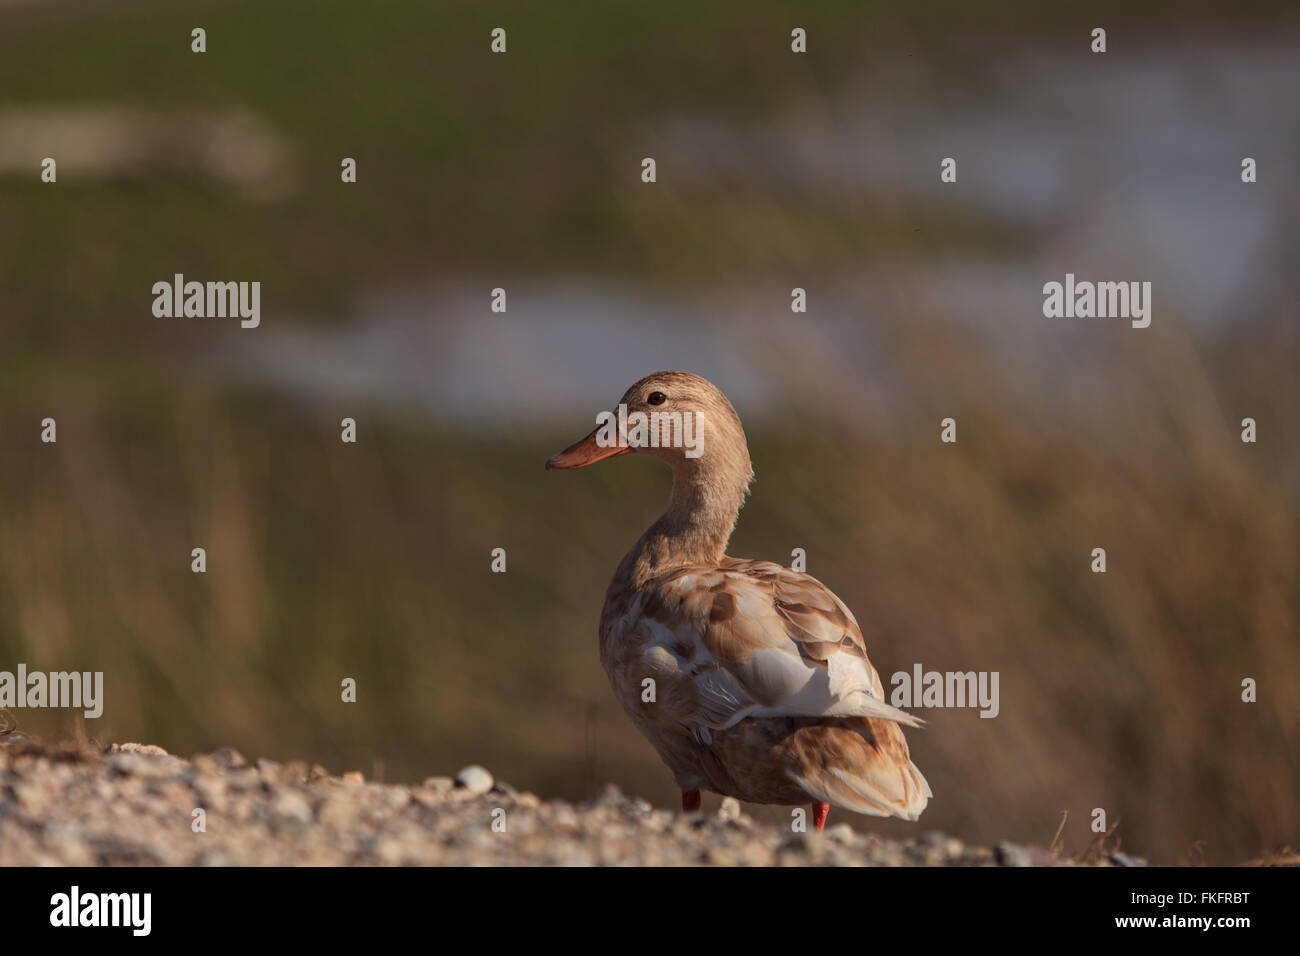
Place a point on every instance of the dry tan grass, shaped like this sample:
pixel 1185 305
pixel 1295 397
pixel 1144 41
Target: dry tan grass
pixel 1119 691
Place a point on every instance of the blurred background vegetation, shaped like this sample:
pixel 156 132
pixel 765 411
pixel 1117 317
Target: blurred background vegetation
pixel 522 171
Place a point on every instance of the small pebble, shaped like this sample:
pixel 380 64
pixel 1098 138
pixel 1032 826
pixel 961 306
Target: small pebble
pixel 291 806
pixel 475 779
pixel 1008 854
pixel 227 758
pixel 840 831
pixel 150 750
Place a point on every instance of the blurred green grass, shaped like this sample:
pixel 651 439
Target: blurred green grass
pixel 465 160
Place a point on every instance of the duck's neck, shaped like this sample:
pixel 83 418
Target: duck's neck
pixel 696 527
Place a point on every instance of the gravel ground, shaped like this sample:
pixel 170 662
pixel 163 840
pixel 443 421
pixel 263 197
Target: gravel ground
pixel 134 804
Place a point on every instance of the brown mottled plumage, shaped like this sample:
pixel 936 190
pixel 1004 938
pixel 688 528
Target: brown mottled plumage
pixel 762 686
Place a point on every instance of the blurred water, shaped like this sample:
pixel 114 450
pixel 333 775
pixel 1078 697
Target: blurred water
pixel 1123 167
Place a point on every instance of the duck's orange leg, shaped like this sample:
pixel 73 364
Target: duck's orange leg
pixel 690 801
pixel 820 812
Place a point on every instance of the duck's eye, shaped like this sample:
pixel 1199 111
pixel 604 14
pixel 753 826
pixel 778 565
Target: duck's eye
pixel 657 398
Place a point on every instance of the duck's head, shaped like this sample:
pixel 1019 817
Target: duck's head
pixel 677 417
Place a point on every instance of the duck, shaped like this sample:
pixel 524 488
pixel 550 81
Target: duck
pixel 749 679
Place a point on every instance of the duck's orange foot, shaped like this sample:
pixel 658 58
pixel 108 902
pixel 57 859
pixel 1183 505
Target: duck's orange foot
pixel 690 801
pixel 820 812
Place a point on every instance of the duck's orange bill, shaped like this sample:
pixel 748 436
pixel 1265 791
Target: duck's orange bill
pixel 585 452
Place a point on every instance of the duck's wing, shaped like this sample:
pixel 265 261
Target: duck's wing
pixel 755 639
